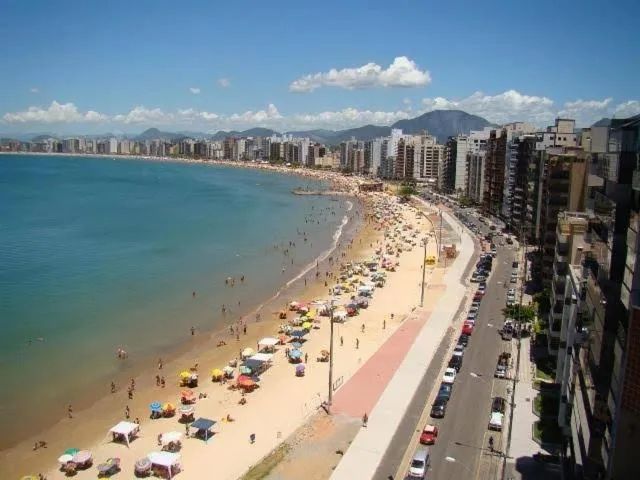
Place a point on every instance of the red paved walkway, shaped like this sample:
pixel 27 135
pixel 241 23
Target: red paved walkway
pixel 362 391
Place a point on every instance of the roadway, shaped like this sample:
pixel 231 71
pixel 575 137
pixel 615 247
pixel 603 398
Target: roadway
pixel 463 438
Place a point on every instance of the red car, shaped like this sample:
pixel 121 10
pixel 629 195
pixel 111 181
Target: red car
pixel 467 328
pixel 429 435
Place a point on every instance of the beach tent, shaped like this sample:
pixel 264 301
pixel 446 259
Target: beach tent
pixel 254 365
pixel 203 425
pixel 126 430
pixel 166 460
pixel 267 343
pixel 262 357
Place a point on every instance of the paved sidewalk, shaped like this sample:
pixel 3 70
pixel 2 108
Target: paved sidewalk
pixel 520 464
pixel 365 453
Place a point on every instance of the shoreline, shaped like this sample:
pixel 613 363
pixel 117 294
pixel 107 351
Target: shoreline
pixel 178 358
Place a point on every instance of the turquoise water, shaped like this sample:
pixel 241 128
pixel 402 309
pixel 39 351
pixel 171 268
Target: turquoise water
pixel 98 254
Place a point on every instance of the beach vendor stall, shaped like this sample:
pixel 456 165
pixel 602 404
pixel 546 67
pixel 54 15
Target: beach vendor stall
pixel 186 413
pixel 259 362
pixel 267 344
pixel 156 410
pixel 125 432
pixel 165 464
pixel 109 467
pixel 188 379
pixel 171 441
pixel 203 428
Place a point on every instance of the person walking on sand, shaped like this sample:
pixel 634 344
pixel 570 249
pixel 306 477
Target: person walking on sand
pixel 357 343
pixel 193 330
pixel 306 358
pixel 70 411
pixel 341 341
pixel 365 419
pixel 252 438
pixel 384 324
pixel 362 328
pixel 162 382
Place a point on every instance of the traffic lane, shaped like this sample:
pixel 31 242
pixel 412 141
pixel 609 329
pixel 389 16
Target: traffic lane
pixel 461 432
pixel 400 442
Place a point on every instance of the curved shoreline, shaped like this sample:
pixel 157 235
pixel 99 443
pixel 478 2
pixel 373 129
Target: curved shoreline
pixel 188 350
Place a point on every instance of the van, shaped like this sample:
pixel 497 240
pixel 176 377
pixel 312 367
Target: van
pixel 419 463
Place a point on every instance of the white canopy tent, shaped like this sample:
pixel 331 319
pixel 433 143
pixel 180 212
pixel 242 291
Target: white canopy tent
pixel 127 430
pixel 267 343
pixel 262 357
pixel 170 437
pixel 166 460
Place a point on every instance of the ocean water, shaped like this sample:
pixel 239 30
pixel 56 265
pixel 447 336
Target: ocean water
pixel 97 254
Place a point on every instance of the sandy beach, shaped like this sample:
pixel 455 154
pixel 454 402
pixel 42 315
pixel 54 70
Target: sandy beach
pixel 272 412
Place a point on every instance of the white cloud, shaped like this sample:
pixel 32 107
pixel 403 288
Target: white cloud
pixel 224 82
pixel 403 72
pixel 194 90
pixel 346 118
pixel 627 109
pixel 586 112
pixel 142 114
pixel 55 113
pixel 34 90
pixel 260 116
pixel 501 108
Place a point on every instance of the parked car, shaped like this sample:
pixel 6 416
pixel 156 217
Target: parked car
pixel 429 435
pixel 499 405
pixel 458 350
pixel 502 365
pixel 482 288
pixel 445 391
pixel 419 463
pixel 449 375
pixel 471 317
pixel 455 362
pixel 495 421
pixel 439 408
pixel 463 340
pixel 467 328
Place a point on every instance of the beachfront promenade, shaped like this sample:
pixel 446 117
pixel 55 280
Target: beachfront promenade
pixel 366 451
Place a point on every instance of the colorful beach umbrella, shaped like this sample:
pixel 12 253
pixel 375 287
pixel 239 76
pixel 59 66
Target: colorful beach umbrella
pixel 306 325
pixel 168 406
pixel 82 456
pixel 295 353
pixel 245 370
pixel 300 368
pixel 185 374
pixel 247 352
pixel 155 406
pixel 296 345
pixel 71 451
pixel 216 372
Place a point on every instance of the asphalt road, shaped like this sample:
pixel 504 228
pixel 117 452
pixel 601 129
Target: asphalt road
pixel 463 437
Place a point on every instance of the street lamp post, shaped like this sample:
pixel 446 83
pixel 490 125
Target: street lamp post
pixel 330 398
pixel 424 270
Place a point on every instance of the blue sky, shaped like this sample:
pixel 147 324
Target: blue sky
pixel 92 66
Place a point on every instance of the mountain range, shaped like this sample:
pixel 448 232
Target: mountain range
pixel 439 123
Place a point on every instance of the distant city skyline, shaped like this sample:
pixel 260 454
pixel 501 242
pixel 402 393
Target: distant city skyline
pixel 80 69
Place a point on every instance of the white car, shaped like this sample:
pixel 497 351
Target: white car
pixel 495 422
pixel 458 351
pixel 449 375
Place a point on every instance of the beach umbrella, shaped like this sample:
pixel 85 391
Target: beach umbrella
pixel 185 374
pixel 71 451
pixel 296 345
pixel 295 353
pixel 247 352
pixel 283 338
pixel 82 456
pixel 106 466
pixel 228 370
pixel 245 370
pixel 216 373
pixel 187 409
pixel 143 465
pixel 306 325
pixel 155 406
pixel 246 382
pixel 29 477
pixel 167 407
pixel 65 458
pixel 188 395
pixel 300 368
